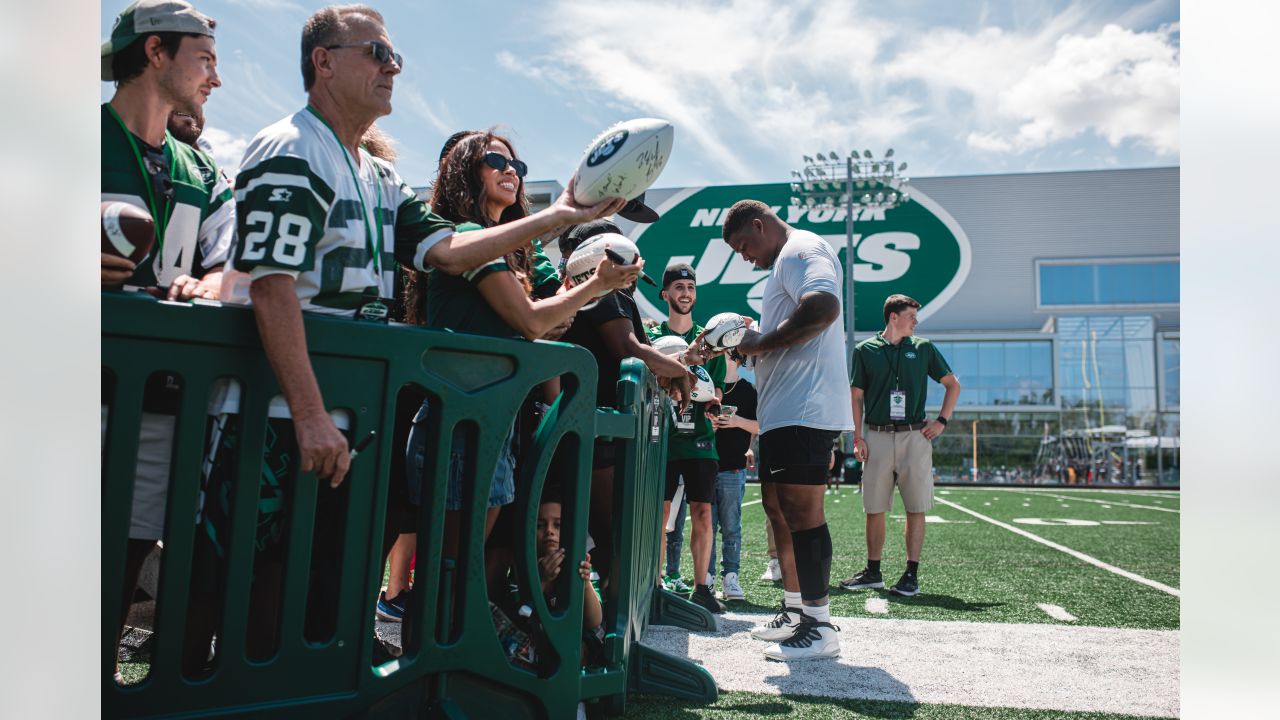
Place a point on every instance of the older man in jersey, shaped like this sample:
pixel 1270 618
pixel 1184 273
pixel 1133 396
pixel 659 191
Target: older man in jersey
pixel 312 198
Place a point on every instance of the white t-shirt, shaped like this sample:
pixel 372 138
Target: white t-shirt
pixel 804 384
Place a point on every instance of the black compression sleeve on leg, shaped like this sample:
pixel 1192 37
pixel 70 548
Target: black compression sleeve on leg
pixel 812 550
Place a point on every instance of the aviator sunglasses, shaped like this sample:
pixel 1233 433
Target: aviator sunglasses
pixel 499 162
pixel 381 52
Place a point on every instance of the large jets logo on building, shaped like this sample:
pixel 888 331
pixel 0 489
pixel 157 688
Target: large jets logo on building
pixel 917 249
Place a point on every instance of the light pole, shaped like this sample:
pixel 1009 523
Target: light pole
pixel 868 186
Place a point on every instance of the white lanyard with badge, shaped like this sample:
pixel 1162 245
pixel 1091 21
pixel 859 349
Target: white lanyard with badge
pixel 371 308
pixel 897 397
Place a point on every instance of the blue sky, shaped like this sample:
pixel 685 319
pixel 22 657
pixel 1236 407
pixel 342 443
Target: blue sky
pixel 751 85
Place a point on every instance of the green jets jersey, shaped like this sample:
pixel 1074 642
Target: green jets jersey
pixel 200 229
pixel 303 212
pixel 701 444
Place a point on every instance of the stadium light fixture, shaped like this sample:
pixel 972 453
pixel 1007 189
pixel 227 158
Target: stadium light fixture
pixel 863 187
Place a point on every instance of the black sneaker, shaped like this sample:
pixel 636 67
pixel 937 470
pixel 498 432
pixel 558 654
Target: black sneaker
pixel 865 578
pixel 907 586
pixel 702 597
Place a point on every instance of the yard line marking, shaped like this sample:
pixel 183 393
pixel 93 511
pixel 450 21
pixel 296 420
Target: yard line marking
pixel 1077 498
pixel 1073 553
pixel 877 606
pixel 1056 612
pixel 753 502
pixel 1115 502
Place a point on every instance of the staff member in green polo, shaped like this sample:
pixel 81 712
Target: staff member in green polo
pixel 691 450
pixel 891 372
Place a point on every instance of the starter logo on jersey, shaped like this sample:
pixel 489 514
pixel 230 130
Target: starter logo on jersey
pixel 280 195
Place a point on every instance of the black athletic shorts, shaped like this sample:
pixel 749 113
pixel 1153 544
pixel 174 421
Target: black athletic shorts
pixel 796 455
pixel 699 479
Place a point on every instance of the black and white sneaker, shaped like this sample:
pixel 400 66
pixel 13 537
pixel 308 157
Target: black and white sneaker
pixel 907 586
pixel 865 578
pixel 782 626
pixel 812 640
pixel 702 597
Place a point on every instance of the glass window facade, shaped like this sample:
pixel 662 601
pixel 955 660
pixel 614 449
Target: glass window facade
pixel 1170 371
pixel 1104 427
pixel 1109 283
pixel 998 372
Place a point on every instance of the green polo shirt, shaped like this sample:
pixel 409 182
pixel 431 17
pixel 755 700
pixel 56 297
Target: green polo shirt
pixel 455 301
pixel 913 361
pixel 702 443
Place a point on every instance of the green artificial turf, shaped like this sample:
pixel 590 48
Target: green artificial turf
pixel 742 705
pixel 975 571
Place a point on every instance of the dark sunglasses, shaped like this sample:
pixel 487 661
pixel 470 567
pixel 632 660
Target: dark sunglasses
pixel 158 172
pixel 382 53
pixel 500 163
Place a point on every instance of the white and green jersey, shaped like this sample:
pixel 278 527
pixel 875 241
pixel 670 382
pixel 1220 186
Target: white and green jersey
pixel 302 212
pixel 200 232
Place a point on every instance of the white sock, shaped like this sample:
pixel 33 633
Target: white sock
pixel 792 599
pixel 821 613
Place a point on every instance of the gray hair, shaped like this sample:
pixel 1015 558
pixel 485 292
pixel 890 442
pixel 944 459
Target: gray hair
pixel 328 26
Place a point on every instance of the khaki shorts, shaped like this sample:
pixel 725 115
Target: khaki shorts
pixel 904 459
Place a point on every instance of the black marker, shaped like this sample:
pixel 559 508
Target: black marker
pixel 364 443
pixel 618 260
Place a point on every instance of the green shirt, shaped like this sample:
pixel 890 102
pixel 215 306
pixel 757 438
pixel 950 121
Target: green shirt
pixel 879 367
pixel 455 301
pixel 200 232
pixel 702 443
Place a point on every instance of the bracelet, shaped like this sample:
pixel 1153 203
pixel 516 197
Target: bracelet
pixel 942 420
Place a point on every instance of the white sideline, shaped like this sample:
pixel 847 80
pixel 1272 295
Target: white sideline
pixel 1049 666
pixel 1076 498
pixel 877 606
pixel 1062 548
pixel 1056 612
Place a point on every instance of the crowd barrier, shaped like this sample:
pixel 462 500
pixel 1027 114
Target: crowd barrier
pixel 454 666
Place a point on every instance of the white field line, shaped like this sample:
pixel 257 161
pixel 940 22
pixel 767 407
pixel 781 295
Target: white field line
pixel 1073 553
pixel 877 606
pixel 1056 612
pixel 1050 666
pixel 1077 498
pixel 753 502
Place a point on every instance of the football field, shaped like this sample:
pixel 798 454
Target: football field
pixel 1034 603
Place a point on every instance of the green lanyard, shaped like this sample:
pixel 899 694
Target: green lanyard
pixel 897 372
pixel 364 211
pixel 162 222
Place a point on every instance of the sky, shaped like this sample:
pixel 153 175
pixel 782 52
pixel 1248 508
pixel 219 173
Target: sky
pixel 751 85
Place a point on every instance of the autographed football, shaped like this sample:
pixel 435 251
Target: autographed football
pixel 703 390
pixel 624 160
pixel 127 231
pixel 586 258
pixel 725 331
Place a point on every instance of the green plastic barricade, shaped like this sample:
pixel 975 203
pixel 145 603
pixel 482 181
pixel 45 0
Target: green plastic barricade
pixel 453 665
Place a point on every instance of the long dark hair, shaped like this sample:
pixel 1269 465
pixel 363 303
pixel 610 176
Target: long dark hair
pixel 458 195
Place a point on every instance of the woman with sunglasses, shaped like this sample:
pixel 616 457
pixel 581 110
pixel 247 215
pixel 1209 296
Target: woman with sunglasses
pixel 481 184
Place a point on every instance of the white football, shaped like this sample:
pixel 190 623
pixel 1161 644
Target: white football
pixel 624 160
pixel 670 345
pixel 586 258
pixel 725 331
pixel 703 390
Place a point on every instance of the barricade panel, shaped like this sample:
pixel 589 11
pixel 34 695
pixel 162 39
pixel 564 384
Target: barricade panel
pixel 322 665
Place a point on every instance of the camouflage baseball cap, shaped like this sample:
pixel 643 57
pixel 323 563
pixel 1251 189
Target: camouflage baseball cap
pixel 152 16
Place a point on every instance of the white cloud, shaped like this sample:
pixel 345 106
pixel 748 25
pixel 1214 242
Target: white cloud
pixel 227 149
pixel 415 102
pixel 752 77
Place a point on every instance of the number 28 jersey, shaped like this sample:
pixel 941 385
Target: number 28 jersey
pixel 301 211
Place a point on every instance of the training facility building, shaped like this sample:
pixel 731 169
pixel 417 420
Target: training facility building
pixel 1054 297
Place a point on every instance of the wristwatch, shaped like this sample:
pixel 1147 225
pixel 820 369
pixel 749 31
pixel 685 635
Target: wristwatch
pixel 942 420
